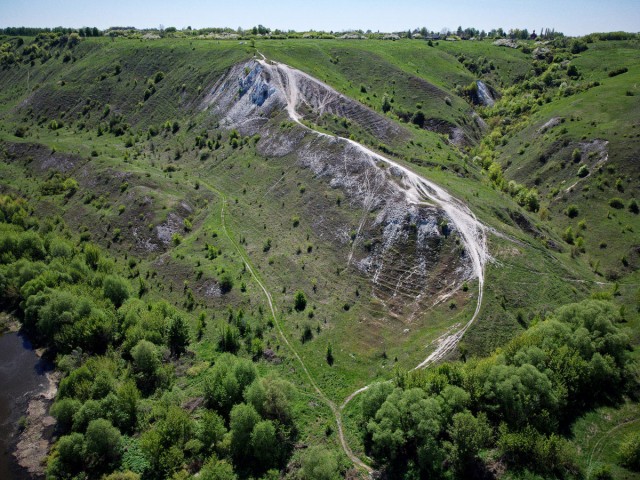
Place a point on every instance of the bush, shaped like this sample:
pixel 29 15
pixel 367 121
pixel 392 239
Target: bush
pixel 300 301
pixel 616 202
pixel 91 255
pixel 576 155
pixel 583 171
pixel 319 464
pixel 226 283
pixel 386 106
pixel 63 411
pixel 418 118
pixel 102 444
pixel 568 236
pixel 115 289
pixel 629 452
pixel 571 211
pixel 178 336
pixel 633 207
pixel 70 453
pixel 618 71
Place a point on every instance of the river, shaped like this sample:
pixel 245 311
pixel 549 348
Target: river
pixel 22 374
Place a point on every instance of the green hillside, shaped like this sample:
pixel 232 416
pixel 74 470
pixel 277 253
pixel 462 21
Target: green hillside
pixel 209 280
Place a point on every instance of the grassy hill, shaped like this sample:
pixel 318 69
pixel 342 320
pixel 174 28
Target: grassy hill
pixel 111 137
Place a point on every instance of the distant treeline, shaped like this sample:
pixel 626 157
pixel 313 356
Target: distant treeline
pixel 265 32
pixel 32 32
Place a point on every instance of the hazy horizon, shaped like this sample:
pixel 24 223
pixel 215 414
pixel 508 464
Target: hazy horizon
pixel 573 17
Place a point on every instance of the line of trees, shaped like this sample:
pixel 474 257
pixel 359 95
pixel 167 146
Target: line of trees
pixel 32 31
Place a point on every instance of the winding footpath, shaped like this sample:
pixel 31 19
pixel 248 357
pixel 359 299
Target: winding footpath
pixel 418 190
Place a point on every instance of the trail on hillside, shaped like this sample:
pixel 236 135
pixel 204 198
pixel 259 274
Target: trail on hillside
pixel 243 255
pixel 418 190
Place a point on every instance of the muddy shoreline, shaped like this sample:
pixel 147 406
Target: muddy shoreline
pixel 32 445
pixel 27 426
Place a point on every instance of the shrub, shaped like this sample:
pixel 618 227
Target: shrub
pixel 618 71
pixel 386 106
pixel 102 444
pixel 319 464
pixel 583 171
pixel 616 202
pixel 330 358
pixel 418 118
pixel 629 452
pixel 576 155
pixel 571 211
pixel 226 283
pixel 307 334
pixel 91 255
pixel 568 236
pixel 300 301
pixel 178 336
pixel 633 206
pixel 115 289
pixel 63 411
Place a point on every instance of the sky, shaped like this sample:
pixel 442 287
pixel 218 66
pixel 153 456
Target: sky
pixel 573 17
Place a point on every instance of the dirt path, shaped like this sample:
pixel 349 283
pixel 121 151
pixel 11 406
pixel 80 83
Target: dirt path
pixel 334 409
pixel 418 190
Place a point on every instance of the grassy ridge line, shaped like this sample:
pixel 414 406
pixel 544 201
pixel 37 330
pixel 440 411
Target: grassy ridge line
pixel 335 410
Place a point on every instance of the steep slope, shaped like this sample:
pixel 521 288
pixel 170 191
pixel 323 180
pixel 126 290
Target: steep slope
pixel 408 248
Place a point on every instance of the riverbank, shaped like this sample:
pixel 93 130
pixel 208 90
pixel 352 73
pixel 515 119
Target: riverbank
pixel 34 441
pixel 29 387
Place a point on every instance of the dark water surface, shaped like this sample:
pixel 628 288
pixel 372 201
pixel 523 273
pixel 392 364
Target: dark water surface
pixel 22 374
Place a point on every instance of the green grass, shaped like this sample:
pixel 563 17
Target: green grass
pixel 525 280
pixel 599 434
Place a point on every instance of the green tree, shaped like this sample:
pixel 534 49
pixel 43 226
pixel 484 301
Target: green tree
pixel 70 459
pixel 299 301
pixel 468 435
pixel 386 105
pixel 242 421
pixel 629 452
pixel 216 469
pixel 128 396
pixel 227 381
pixel 329 355
pixel 146 363
pixel 102 444
pixel 63 411
pixel 265 445
pixel 92 255
pixel 226 283
pixel 115 289
pixel 211 431
pixel 178 335
pixel 271 397
pixel 319 463
pixel 407 426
